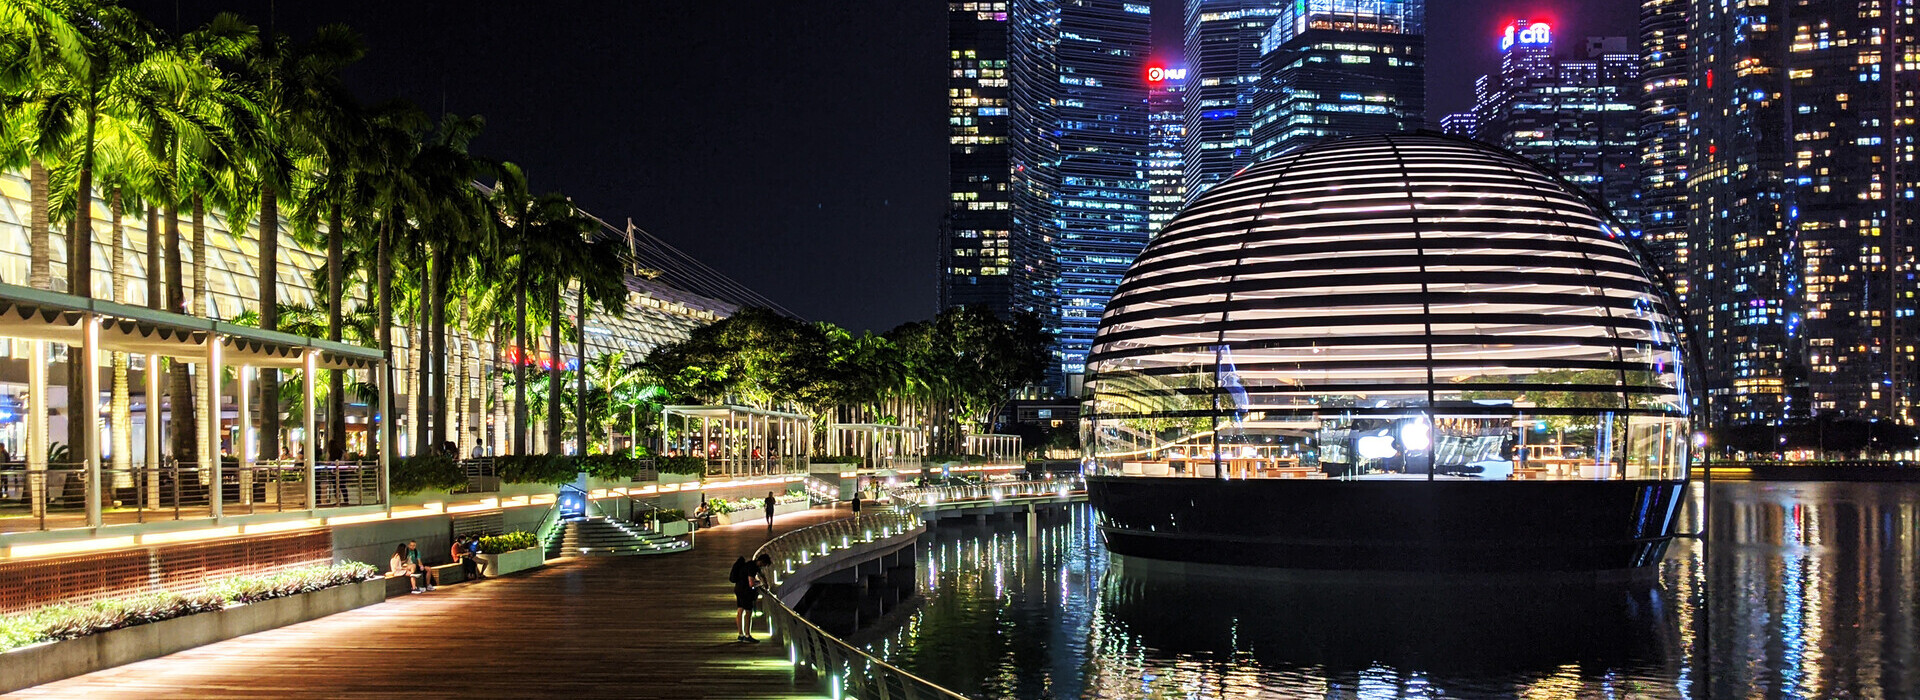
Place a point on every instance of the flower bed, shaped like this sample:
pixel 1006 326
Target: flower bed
pixel 63 641
pixel 57 622
pixel 496 544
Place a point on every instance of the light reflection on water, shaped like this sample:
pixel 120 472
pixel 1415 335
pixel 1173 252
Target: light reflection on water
pixel 1814 594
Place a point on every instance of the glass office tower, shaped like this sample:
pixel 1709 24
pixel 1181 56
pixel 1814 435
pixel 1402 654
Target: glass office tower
pixel 1802 200
pixel 1578 117
pixel 1222 45
pixel 1166 159
pixel 1332 68
pixel 1079 162
pixel 977 237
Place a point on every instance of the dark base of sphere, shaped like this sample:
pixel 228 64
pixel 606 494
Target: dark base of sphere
pixel 1362 525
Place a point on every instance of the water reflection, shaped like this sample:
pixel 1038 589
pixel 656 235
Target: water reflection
pixel 1813 595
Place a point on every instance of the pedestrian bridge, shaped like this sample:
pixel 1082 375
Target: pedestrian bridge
pixel 941 502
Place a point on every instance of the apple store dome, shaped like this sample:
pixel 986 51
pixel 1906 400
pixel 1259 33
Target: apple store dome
pixel 1409 306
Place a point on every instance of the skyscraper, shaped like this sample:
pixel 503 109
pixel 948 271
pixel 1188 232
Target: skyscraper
pixel 1576 117
pixel 1079 156
pixel 977 235
pixel 1801 137
pixel 1331 68
pixel 1663 137
pixel 1223 70
pixel 1166 139
pixel 1460 124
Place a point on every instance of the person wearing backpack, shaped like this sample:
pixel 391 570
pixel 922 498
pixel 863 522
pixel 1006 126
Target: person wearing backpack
pixel 746 580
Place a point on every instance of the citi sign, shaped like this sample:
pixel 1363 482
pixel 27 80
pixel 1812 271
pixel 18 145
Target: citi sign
pixel 1157 74
pixel 1535 33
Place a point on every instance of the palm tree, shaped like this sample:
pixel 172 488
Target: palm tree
pixel 42 44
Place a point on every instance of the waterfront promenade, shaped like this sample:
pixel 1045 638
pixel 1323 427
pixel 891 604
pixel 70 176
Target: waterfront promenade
pixel 657 626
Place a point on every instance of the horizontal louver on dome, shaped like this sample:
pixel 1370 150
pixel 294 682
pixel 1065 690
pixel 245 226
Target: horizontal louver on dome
pixel 1382 273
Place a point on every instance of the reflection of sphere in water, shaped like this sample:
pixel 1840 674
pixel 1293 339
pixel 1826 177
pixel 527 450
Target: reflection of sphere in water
pixel 1457 636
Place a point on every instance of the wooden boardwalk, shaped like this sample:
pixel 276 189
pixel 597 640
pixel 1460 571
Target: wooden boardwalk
pixel 658 626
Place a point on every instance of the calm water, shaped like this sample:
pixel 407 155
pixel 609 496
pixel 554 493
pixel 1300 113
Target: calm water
pixel 1811 592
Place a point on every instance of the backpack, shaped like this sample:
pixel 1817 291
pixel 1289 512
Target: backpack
pixel 738 574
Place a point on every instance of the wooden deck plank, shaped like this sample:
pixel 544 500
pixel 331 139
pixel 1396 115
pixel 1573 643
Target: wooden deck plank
pixel 657 626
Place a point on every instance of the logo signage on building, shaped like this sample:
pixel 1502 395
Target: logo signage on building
pixel 1537 33
pixel 1158 74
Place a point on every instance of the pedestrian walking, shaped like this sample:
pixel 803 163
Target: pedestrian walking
pixel 769 504
pixel 856 504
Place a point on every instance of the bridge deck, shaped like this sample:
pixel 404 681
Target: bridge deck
pixel 635 627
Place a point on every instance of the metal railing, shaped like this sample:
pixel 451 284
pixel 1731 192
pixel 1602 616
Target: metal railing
pixel 927 496
pixel 55 498
pixel 342 484
pixel 849 671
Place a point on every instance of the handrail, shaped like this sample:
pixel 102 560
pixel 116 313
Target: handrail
pixel 863 675
pixel 929 496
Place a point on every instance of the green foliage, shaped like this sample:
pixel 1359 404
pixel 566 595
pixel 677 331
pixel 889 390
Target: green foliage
pixel 680 465
pixel 251 589
pixel 610 467
pixel 537 469
pixel 435 472
pixel 817 459
pixel 512 541
pixel 59 622
pixel 669 515
pixel 720 505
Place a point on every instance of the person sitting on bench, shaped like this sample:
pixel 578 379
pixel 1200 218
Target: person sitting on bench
pixel 401 565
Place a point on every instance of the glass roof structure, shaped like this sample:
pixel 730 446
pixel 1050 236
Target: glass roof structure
pixel 1411 305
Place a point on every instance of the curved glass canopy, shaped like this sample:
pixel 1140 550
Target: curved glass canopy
pixel 1408 306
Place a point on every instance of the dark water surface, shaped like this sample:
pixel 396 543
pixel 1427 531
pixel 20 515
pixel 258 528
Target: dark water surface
pixel 1811 592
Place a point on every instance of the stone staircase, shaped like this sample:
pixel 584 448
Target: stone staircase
pixel 603 536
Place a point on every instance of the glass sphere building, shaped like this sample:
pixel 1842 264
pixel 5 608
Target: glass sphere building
pixel 1415 311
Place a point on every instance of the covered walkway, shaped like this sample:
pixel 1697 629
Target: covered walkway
pixel 632 627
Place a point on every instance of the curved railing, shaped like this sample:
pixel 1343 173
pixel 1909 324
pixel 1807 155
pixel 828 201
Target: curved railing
pixel 849 671
pixel 931 496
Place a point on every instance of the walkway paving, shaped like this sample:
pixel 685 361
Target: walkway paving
pixel 658 626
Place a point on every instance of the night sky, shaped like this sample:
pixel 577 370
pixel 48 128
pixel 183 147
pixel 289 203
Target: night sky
pixel 798 147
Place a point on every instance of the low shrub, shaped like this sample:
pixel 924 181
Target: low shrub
pixel 720 505
pixel 555 470
pixel 60 622
pixel 496 544
pixel 680 465
pixel 611 467
pixel 669 515
pixel 410 475
pixel 820 459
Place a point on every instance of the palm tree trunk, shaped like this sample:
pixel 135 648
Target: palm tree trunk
pixel 80 283
pixel 441 378
pixel 383 326
pixel 154 276
pixel 554 400
pixel 423 367
pixel 204 440
pixel 120 409
pixel 40 228
pixel 580 377
pixel 182 423
pixel 269 402
pixel 520 369
pixel 336 298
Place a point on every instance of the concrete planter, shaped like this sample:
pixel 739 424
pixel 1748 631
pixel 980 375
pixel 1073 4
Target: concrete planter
pixel 794 507
pixel 675 528
pixel 509 562
pixel 24 668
